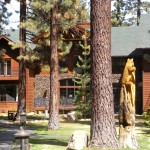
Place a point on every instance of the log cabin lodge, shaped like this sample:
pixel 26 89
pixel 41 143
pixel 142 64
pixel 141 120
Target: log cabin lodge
pixel 127 42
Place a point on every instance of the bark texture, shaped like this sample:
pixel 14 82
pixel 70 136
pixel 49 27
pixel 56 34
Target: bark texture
pixel 22 67
pixel 103 131
pixel 54 90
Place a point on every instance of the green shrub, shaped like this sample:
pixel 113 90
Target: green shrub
pixel 147 116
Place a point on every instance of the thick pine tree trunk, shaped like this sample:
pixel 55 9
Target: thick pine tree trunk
pixel 22 67
pixel 54 90
pixel 103 131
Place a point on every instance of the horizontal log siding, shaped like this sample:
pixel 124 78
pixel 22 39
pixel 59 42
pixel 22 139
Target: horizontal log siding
pixel 6 106
pixel 29 91
pixel 146 90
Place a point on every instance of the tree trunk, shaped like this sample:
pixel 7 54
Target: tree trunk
pixel 54 90
pixel 118 13
pixel 138 12
pixel 103 131
pixel 22 67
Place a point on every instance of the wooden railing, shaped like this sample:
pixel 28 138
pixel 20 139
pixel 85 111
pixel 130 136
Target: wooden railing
pixel 6 106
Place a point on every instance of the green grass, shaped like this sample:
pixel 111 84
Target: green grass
pixel 3 129
pixel 65 128
pixel 55 139
pixel 58 139
pixel 45 139
pixel 3 116
pixel 45 144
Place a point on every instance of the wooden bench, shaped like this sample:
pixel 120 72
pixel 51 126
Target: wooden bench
pixel 11 114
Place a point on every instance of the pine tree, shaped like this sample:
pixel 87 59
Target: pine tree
pixel 54 90
pixel 68 14
pixel 146 6
pixel 38 32
pixel 118 14
pixel 82 78
pixel 128 12
pixel 38 29
pixel 103 131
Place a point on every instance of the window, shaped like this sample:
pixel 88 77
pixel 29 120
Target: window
pixel 1 68
pixel 5 68
pixel 67 92
pixel 8 92
pixel 8 67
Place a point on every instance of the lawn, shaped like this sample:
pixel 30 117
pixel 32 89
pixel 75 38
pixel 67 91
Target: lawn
pixel 44 139
pixel 53 139
pixel 58 139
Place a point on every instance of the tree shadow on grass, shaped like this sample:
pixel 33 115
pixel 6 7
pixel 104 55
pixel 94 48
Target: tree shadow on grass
pixel 146 131
pixel 78 121
pixel 140 124
pixel 36 117
pixel 3 117
pixel 38 127
pixel 49 142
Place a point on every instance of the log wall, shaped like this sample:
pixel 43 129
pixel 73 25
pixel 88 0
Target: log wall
pixel 146 83
pixel 30 90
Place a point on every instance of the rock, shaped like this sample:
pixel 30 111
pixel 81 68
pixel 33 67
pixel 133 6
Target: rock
pixel 72 116
pixel 65 117
pixel 78 140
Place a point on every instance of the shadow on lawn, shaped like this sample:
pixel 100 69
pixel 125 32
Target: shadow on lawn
pixel 38 127
pixel 34 117
pixel 78 121
pixel 3 117
pixel 146 131
pixel 49 142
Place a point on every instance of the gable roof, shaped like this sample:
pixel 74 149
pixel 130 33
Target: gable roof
pixel 11 35
pixel 125 41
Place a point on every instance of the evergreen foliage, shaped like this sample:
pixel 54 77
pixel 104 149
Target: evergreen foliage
pixel 83 79
pixel 38 29
pixel 147 116
pixel 146 6
pixel 4 14
pixel 128 12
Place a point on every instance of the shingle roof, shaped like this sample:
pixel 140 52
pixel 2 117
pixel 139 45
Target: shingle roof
pixel 129 40
pixel 125 41
pixel 12 35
